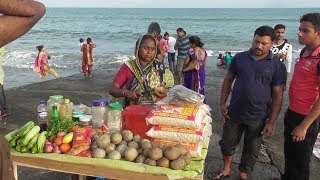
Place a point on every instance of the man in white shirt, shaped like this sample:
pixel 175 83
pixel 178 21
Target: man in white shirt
pixel 171 52
pixel 81 43
pixel 282 48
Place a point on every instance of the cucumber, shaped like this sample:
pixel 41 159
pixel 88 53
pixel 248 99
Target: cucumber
pixel 33 141
pixel 24 149
pixel 25 129
pixel 41 141
pixel 11 135
pixel 19 141
pixel 18 148
pixel 13 142
pixel 33 132
pixel 34 150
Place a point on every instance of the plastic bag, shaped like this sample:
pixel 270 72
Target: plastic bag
pixel 180 134
pixel 179 116
pixel 182 96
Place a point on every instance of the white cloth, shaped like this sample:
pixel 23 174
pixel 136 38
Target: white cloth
pixel 286 49
pixel 81 44
pixel 171 43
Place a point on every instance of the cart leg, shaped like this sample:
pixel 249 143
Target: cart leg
pixel 15 171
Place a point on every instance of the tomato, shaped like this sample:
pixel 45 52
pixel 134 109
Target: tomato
pixel 58 141
pixel 64 148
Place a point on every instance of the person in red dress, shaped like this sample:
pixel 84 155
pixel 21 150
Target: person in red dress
pixel 87 57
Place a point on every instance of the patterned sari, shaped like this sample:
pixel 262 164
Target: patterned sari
pixel 195 79
pixel 145 80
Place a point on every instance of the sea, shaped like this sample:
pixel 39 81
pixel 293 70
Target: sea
pixel 115 32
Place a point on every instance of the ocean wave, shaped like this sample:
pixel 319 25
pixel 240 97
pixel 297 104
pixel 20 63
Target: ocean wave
pixel 25 59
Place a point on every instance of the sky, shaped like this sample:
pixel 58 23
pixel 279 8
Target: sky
pixel 184 3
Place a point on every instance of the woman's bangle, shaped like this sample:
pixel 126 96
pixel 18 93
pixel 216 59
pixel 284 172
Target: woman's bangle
pixel 124 92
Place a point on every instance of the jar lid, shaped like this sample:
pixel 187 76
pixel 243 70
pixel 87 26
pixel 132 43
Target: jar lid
pixel 66 101
pixel 56 97
pixel 115 106
pixel 42 102
pixel 85 118
pixel 100 103
pixel 77 114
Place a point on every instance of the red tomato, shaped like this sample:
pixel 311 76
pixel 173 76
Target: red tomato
pixel 58 141
pixel 64 148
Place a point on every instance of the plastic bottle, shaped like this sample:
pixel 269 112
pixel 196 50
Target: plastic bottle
pixel 66 110
pixel 66 115
pixel 42 115
pixel 55 120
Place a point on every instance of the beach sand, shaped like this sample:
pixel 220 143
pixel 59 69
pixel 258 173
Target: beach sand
pixel 24 100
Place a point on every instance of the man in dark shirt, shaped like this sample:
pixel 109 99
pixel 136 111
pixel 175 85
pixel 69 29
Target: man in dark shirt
pixel 255 101
pixel 17 18
pixel 154 30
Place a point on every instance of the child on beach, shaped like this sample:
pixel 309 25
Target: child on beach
pixel 42 66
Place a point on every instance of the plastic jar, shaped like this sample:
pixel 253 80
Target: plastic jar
pixel 55 100
pixel 98 111
pixel 76 115
pixel 85 120
pixel 114 117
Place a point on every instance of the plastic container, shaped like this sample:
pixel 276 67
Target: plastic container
pixel 134 119
pixel 55 100
pixel 66 110
pixel 42 115
pixel 85 120
pixel 76 115
pixel 114 117
pixel 98 111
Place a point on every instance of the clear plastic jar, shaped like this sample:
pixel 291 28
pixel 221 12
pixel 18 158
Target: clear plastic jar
pixel 114 117
pixel 98 111
pixel 85 120
pixel 55 100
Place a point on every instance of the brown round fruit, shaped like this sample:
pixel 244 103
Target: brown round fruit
pixel 163 162
pixel 130 154
pixel 150 162
pixel 172 153
pixel 155 153
pixel 140 159
pixel 178 164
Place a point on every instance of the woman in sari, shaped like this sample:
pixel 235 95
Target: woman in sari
pixel 87 57
pixel 41 64
pixel 138 80
pixel 194 66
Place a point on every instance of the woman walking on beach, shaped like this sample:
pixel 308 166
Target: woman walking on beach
pixel 87 58
pixel 194 66
pixel 139 76
pixel 42 66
